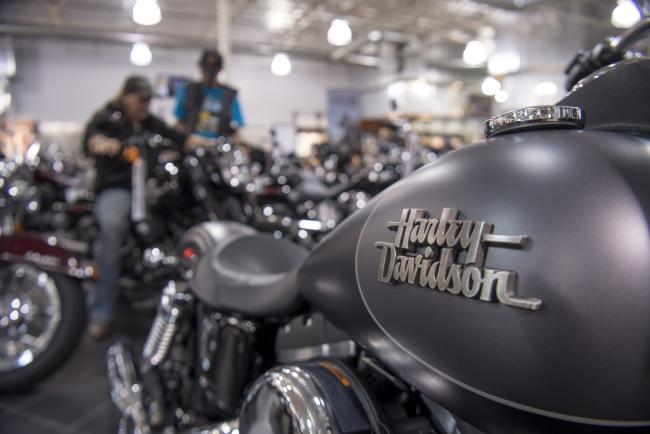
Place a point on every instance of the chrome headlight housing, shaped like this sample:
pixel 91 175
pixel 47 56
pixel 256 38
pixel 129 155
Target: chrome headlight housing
pixel 309 398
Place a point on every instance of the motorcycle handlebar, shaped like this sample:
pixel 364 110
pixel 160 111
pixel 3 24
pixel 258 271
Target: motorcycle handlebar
pixel 605 53
pixel 632 35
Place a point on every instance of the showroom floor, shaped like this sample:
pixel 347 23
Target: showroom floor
pixel 76 399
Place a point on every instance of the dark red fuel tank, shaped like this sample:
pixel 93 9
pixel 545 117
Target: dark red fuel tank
pixel 508 281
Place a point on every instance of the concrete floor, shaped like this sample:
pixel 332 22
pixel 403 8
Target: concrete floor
pixel 76 398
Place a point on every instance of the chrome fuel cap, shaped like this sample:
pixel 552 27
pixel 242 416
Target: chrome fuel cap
pixel 530 118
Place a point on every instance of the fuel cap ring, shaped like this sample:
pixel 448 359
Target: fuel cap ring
pixel 531 118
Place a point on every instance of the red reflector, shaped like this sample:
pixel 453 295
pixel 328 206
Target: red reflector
pixel 189 253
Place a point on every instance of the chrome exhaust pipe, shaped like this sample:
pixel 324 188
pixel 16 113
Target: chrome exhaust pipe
pixel 126 391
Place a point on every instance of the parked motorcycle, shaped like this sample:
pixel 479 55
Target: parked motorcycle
pixel 503 288
pixel 303 204
pixel 48 234
pixel 42 306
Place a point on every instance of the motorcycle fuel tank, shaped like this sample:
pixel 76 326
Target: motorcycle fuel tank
pixel 509 281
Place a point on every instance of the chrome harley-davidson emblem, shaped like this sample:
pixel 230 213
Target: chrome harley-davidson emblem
pixel 427 252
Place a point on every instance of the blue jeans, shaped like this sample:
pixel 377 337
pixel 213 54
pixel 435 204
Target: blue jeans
pixel 112 210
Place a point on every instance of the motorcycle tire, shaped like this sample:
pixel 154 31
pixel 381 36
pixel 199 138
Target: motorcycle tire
pixel 66 337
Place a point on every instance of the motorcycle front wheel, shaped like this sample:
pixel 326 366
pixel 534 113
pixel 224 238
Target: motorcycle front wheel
pixel 42 318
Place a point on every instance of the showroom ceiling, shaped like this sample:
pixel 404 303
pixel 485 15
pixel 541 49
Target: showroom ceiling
pixel 300 26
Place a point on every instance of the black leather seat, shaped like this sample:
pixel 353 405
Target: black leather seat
pixel 249 273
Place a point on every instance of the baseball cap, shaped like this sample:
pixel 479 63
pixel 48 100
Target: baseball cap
pixel 137 84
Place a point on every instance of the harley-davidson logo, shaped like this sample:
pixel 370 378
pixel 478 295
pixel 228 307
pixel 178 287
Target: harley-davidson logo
pixel 448 254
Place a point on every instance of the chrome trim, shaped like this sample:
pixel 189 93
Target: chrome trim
pixel 81 269
pixel 300 397
pixel 173 304
pixel 242 324
pixel 126 392
pixel 535 117
pixel 336 350
pixel 138 191
pixel 30 314
pixel 422 254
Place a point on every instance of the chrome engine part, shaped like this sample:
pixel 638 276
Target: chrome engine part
pixel 299 397
pixel 173 303
pixel 126 391
pixel 310 398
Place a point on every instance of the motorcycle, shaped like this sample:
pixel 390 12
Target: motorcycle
pixel 47 237
pixel 305 204
pixel 42 305
pixel 288 201
pixel 503 288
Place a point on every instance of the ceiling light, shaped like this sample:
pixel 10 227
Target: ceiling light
pixel 475 53
pixel 625 14
pixel 422 88
pixel 490 86
pixel 146 12
pixel 501 96
pixel 486 32
pixel 339 33
pixel 281 64
pixel 546 88
pixel 141 54
pixel 375 36
pixel 504 63
pixel 396 90
pixel 278 20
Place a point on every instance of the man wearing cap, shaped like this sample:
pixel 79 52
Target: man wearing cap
pixel 107 131
pixel 208 108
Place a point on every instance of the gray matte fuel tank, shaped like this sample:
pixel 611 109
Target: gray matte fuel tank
pixel 550 330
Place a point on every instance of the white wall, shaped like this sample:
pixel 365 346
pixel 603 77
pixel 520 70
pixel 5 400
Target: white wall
pixel 67 80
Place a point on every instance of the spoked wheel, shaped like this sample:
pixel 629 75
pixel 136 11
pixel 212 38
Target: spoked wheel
pixel 42 317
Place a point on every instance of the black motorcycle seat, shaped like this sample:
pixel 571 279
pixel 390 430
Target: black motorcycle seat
pixel 250 273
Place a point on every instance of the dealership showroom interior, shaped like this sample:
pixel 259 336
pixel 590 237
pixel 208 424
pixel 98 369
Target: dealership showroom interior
pixel 324 217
